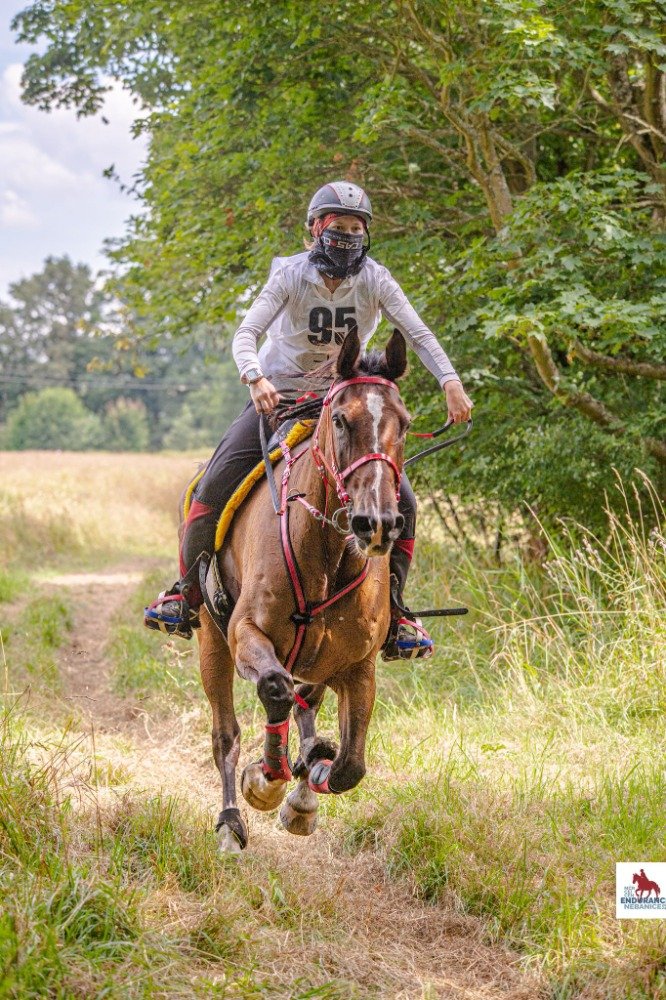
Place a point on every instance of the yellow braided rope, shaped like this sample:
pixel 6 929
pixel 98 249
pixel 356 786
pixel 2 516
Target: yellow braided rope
pixel 298 433
pixel 187 499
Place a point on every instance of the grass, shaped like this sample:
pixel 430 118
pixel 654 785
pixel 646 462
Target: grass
pixel 162 674
pixel 130 902
pixel 528 758
pixel 31 641
pixel 88 508
pixel 12 584
pixel 506 776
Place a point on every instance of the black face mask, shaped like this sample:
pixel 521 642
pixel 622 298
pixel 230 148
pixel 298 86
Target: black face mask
pixel 337 254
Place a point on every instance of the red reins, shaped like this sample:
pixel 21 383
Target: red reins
pixel 305 611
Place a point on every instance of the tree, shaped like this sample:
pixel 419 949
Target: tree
pixel 515 151
pixel 52 419
pixel 49 331
pixel 125 426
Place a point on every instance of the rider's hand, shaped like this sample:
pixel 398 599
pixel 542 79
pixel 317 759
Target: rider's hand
pixel 264 396
pixel 458 402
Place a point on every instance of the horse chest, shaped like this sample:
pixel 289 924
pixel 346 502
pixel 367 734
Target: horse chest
pixel 335 644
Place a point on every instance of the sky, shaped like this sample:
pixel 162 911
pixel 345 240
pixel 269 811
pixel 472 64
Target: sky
pixel 54 199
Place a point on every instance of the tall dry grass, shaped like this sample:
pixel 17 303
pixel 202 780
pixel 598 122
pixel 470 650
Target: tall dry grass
pixel 90 507
pixel 528 759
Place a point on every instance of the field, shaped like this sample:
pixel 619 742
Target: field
pixel 476 860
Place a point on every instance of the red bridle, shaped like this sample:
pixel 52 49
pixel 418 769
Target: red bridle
pixel 331 467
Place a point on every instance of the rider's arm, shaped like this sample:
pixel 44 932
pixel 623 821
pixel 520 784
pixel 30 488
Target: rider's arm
pixel 398 310
pixel 267 306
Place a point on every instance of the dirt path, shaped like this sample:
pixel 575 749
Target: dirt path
pixel 94 600
pixel 383 940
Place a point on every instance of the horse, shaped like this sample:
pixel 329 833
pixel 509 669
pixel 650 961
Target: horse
pixel 645 885
pixel 329 635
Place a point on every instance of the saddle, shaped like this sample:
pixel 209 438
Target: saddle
pixel 217 600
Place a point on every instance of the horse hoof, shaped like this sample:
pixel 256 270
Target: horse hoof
pixel 231 832
pixel 299 813
pixel 258 791
pixel 227 841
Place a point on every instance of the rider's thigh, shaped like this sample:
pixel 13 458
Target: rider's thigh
pixel 236 455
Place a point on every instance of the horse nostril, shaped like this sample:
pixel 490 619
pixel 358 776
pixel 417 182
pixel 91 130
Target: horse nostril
pixel 392 527
pixel 363 527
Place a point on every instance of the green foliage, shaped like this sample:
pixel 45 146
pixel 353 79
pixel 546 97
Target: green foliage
pixel 208 411
pixel 63 328
pixel 125 426
pixel 48 329
pixel 516 159
pixel 52 418
pixel 530 743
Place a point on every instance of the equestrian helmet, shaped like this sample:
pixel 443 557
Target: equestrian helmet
pixel 339 196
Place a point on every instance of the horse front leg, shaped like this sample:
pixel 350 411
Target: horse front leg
pixel 355 689
pixel 217 676
pixel 298 814
pixel 264 782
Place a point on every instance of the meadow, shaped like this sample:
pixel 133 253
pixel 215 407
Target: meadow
pixel 477 859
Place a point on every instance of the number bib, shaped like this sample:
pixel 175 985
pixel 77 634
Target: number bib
pixel 311 328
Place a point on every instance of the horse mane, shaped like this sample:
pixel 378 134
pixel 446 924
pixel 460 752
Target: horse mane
pixel 373 363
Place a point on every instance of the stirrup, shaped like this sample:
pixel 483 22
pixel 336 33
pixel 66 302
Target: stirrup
pixel 171 614
pixel 407 640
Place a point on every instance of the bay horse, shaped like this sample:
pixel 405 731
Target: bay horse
pixel 351 471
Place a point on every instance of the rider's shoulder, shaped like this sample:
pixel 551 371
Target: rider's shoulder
pixel 373 267
pixel 290 263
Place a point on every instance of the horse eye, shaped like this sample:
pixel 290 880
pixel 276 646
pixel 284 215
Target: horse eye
pixel 337 422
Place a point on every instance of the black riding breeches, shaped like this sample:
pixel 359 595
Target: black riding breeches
pixel 234 458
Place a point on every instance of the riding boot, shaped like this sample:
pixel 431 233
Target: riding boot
pixel 197 541
pixel 176 611
pixel 399 563
pixel 406 639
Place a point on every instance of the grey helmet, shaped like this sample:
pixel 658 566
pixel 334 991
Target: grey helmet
pixel 339 196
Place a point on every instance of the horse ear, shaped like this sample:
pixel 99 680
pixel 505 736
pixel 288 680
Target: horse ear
pixel 396 356
pixel 349 352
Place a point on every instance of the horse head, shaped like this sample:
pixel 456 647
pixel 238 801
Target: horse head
pixel 368 423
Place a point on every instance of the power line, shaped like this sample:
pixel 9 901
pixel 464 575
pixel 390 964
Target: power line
pixel 105 382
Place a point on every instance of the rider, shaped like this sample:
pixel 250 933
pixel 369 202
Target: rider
pixel 308 304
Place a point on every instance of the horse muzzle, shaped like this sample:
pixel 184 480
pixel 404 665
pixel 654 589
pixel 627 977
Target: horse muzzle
pixel 375 533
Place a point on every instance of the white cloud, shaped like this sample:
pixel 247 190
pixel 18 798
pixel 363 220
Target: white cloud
pixel 54 198
pixel 15 213
pixel 80 143
pixel 25 166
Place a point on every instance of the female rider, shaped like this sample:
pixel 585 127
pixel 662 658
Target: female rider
pixel 308 304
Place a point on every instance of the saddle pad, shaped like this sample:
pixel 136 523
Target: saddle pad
pixel 298 433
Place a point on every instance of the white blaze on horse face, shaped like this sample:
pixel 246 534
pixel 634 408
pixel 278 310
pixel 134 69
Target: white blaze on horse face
pixel 376 408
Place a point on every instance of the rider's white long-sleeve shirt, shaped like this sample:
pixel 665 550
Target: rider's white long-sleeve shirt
pixel 305 324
